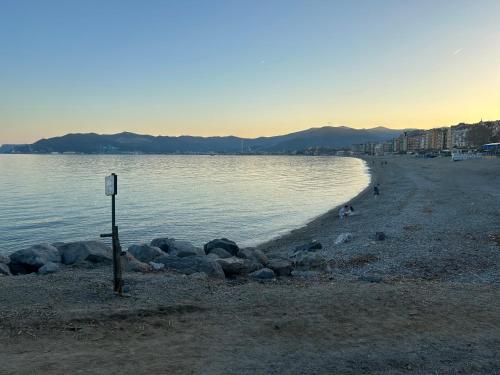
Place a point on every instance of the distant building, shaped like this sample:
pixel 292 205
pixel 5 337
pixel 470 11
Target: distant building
pixel 459 136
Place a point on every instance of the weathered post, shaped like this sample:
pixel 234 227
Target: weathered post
pixel 111 184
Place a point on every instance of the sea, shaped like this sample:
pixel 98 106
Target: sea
pixel 249 199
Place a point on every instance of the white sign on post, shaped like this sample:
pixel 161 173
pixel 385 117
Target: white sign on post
pixel 111 185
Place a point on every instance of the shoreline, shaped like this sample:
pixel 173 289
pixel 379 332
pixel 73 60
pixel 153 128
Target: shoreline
pixel 302 233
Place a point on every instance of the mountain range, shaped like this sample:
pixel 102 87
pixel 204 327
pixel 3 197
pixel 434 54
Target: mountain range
pixel 324 137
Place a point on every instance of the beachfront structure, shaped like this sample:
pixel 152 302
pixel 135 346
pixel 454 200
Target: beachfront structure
pixel 492 148
pixel 461 136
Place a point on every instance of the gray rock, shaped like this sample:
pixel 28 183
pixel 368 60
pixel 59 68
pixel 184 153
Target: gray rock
pixel 156 266
pixel 48 268
pixel 131 264
pixel 145 253
pixel 90 251
pixel 31 259
pixel 232 266
pixel 343 238
pixel 223 243
pixel 281 267
pixel 263 274
pixel 162 243
pixel 193 264
pixel 310 261
pixel 253 254
pixel 213 256
pixel 176 247
pixel 221 253
pixel 4 269
pixel 311 246
pixel 252 265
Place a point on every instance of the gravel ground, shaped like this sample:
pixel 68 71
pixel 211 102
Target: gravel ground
pixel 428 300
pixel 438 217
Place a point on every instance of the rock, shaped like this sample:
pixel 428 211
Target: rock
pixel 306 274
pixel 343 238
pixel 131 264
pixel 263 274
pixel 232 266
pixel 177 248
pixel 252 266
pixel 156 266
pixel 192 264
pixel 90 251
pixel 380 236
pixel 186 249
pixel 311 246
pixel 48 268
pixel 31 259
pixel 221 253
pixel 223 243
pixel 310 261
pixel 253 254
pixel 213 256
pixel 4 269
pixel 145 253
pixel 281 267
pixel 162 243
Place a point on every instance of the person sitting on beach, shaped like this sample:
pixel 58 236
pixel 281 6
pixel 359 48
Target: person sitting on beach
pixel 376 191
pixel 351 211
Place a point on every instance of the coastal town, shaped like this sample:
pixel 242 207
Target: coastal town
pixel 482 136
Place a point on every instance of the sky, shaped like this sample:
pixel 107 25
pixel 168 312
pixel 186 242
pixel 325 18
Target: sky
pixel 244 67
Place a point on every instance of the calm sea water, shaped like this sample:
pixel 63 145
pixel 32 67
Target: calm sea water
pixel 50 198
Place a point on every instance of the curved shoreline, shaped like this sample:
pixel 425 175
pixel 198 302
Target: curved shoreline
pixel 306 232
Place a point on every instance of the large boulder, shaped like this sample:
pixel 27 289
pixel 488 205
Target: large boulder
pixel 32 259
pixel 90 251
pixel 263 274
pixel 48 268
pixel 192 264
pixel 253 254
pixel 281 267
pixel 162 243
pixel 220 253
pixel 222 243
pixel 131 264
pixel 176 247
pixel 4 269
pixel 145 253
pixel 232 266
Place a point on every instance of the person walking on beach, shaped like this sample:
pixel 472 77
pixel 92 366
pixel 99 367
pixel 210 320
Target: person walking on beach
pixel 376 191
pixel 343 212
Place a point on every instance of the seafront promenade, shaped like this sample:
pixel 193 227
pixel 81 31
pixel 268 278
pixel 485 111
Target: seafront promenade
pixel 425 299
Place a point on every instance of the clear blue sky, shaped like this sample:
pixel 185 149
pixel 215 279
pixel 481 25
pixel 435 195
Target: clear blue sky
pixel 244 67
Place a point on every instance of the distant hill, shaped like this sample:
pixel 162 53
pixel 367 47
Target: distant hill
pixel 91 143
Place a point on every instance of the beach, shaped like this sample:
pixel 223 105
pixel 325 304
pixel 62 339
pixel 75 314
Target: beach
pixel 425 299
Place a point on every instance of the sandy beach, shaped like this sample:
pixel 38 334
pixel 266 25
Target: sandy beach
pixel 424 300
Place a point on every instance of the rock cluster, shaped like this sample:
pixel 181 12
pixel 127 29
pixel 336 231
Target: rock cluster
pixel 219 259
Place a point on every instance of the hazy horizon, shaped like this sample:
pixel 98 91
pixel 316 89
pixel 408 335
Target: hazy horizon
pixel 246 69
